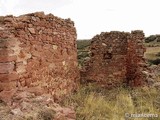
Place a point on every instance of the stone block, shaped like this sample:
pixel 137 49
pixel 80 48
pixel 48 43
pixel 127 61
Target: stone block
pixel 9 77
pixel 8 58
pixel 7 67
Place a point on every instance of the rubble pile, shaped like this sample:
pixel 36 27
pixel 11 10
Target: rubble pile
pixel 28 106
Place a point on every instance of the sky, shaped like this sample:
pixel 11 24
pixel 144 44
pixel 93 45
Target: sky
pixel 92 17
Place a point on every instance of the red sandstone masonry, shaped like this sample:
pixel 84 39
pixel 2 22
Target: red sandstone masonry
pixel 38 51
pixel 135 53
pixel 115 59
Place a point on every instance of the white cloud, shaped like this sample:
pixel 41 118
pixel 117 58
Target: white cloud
pixel 94 16
pixel 18 7
pixel 7 6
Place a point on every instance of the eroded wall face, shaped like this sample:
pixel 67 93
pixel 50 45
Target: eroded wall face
pixel 115 59
pixel 135 61
pixel 38 52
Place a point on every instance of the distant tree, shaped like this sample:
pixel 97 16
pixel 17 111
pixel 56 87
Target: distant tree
pixel 150 38
pixel 158 38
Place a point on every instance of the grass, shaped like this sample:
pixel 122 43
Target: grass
pixel 152 53
pixel 95 103
pixel 152 44
pixel 82 44
pixel 92 102
pixel 83 51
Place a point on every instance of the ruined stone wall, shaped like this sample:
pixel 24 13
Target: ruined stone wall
pixel 115 59
pixel 38 52
pixel 135 61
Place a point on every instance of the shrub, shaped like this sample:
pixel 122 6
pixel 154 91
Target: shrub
pixel 158 54
pixel 150 38
pixel 158 38
pixel 82 44
pixel 92 102
pixel 46 114
pixel 155 62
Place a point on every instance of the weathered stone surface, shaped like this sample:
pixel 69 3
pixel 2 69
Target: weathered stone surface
pixel 6 52
pixel 29 46
pixel 6 96
pixel 115 59
pixel 8 77
pixel 6 67
pixel 32 30
pixel 7 86
pixel 8 58
pixel 1 28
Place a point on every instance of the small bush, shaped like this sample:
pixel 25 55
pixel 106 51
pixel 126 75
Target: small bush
pixel 83 55
pixel 150 38
pixel 82 44
pixel 46 114
pixel 155 62
pixel 158 54
pixel 158 38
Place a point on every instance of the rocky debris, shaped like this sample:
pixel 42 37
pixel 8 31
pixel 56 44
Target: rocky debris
pixel 27 105
pixel 116 58
pixel 33 48
pixel 64 113
pixel 157 85
pixel 32 30
pixel 1 28
pixel 16 111
pixel 6 96
pixel 155 70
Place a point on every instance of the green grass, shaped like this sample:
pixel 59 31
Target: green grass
pixel 83 51
pixel 92 102
pixel 82 44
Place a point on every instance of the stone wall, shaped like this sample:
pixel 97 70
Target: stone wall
pixel 135 64
pixel 116 58
pixel 38 53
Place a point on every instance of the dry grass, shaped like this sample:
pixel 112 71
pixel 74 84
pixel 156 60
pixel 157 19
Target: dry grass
pixel 151 53
pixel 95 103
pixel 152 44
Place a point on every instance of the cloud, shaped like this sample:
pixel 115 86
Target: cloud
pixel 17 7
pixel 7 6
pixel 94 16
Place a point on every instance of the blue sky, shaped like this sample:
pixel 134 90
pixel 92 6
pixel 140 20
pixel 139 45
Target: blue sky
pixel 92 17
